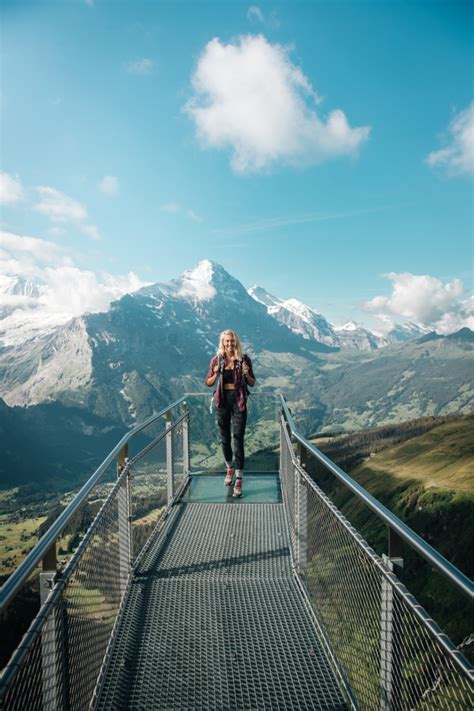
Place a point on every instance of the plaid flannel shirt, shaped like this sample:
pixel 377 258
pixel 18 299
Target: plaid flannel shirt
pixel 239 381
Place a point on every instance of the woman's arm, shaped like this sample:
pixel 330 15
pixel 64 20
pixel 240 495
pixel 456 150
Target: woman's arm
pixel 248 371
pixel 212 372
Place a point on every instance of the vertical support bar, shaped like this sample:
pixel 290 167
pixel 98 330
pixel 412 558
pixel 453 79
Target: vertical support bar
pixel 50 637
pixel 281 446
pixel 169 457
pixel 186 462
pixel 388 636
pixel 386 641
pixel 302 512
pixel 124 522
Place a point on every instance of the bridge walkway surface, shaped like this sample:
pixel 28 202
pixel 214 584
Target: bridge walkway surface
pixel 214 617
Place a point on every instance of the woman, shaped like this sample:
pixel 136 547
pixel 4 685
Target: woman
pixel 233 370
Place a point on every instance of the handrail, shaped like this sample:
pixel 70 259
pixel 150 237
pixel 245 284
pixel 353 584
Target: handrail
pixel 37 553
pixel 461 581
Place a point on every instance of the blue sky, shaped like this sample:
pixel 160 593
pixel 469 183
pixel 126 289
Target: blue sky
pixel 311 148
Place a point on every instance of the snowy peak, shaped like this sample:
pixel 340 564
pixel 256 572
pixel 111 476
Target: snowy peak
pixel 298 317
pixel 196 284
pixel 263 296
pixel 18 286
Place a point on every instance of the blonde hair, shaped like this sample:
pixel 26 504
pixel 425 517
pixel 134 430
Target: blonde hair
pixel 238 346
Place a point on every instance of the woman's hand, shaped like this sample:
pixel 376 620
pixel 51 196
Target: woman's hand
pixel 245 368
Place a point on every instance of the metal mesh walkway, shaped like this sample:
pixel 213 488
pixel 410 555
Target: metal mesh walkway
pixel 214 620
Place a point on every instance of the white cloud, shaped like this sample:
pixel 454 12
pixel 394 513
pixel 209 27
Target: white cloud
pixel 58 206
pixel 56 231
pixel 11 189
pixel 251 98
pixel 75 291
pixel 171 207
pixel 61 208
pixel 425 300
pixel 254 13
pixel 64 289
pixel 140 66
pixel 109 185
pixel 458 156
pixel 28 256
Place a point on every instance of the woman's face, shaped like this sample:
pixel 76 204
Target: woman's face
pixel 228 342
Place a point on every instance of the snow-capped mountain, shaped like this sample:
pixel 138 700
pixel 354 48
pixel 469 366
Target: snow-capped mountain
pixel 311 324
pixel 298 317
pixel 353 335
pixel 18 286
pixel 22 317
pixel 128 358
pixel 155 344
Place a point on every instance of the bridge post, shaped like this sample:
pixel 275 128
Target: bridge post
pixel 124 521
pixel 301 514
pixel 388 640
pixel 169 457
pixel 52 659
pixel 186 463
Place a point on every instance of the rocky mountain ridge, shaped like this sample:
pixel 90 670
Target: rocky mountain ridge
pixel 311 324
pixel 153 345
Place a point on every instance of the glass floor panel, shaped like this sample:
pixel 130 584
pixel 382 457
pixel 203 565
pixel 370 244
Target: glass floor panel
pixel 257 489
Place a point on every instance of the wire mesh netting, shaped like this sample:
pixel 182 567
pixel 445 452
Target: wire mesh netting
pixel 40 679
pixel 148 484
pixel 60 658
pixel 392 654
pixel 67 640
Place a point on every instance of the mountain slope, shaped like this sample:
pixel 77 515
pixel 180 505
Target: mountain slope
pixel 441 458
pixel 148 348
pixel 155 344
pixel 311 324
pixel 397 383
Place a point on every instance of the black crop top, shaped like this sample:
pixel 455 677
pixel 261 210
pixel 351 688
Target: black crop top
pixel 228 376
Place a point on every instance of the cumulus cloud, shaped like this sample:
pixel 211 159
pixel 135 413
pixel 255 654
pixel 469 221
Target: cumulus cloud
pixel 140 66
pixel 425 300
pixel 20 254
pixel 458 156
pixel 109 185
pixel 11 189
pixel 250 98
pixel 62 289
pixel 61 208
pixel 58 206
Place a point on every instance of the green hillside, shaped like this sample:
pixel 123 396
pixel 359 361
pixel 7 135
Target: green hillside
pixel 442 458
pixel 428 482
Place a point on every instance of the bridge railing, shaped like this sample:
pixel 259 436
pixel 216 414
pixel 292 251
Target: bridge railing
pixel 388 651
pixel 58 661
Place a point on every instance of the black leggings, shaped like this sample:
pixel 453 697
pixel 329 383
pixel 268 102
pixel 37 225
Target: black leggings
pixel 229 412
